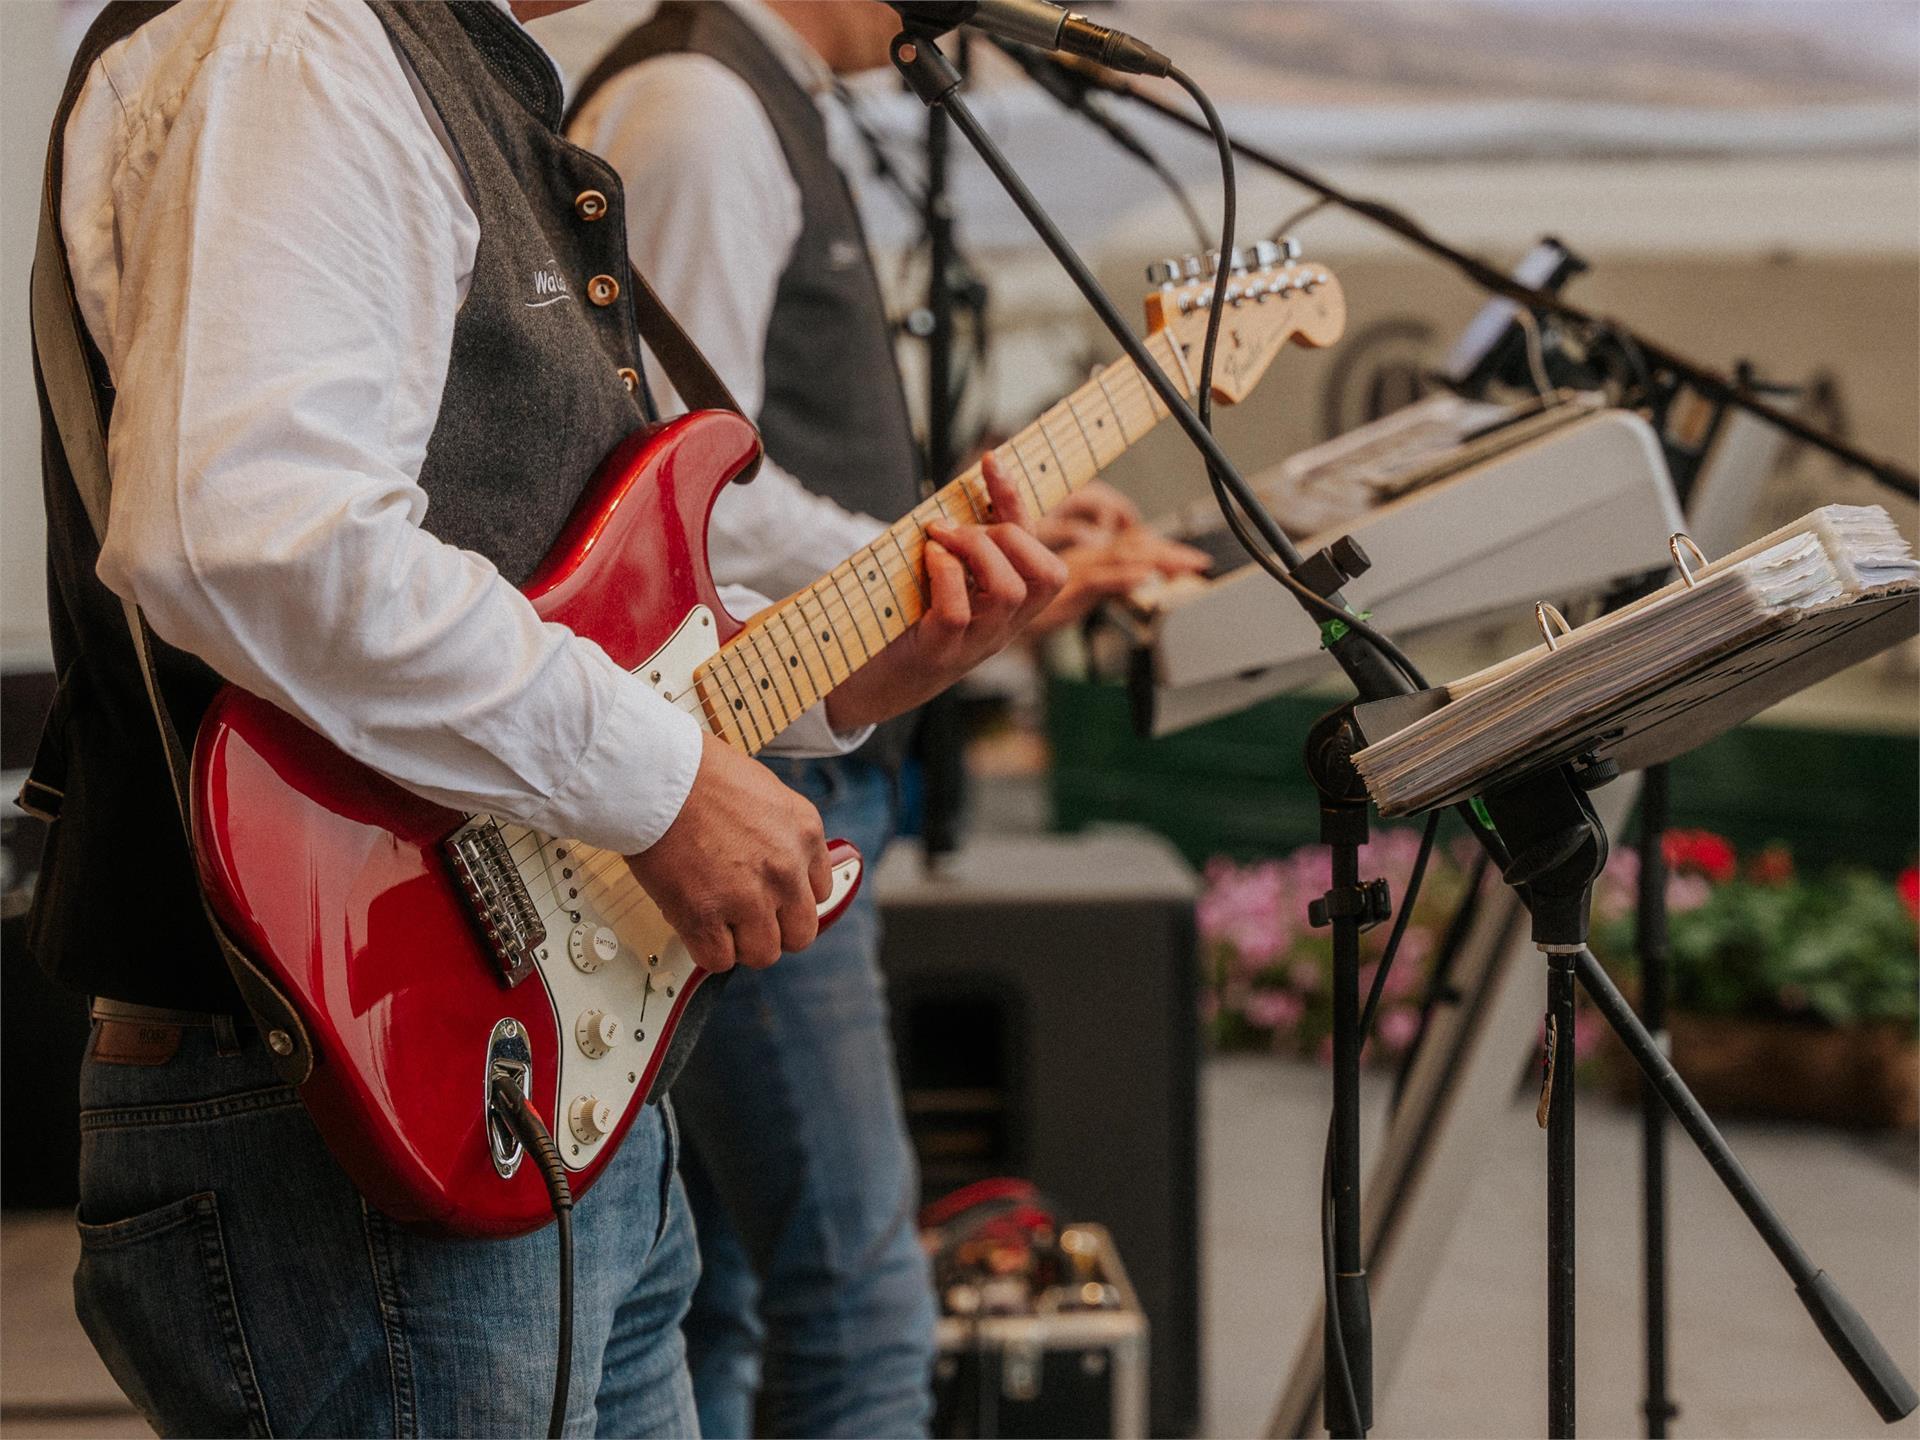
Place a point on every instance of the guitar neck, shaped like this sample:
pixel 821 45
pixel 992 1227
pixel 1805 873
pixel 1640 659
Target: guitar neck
pixel 793 654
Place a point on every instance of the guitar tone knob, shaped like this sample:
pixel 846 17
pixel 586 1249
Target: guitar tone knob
pixel 591 946
pixel 597 1032
pixel 590 1119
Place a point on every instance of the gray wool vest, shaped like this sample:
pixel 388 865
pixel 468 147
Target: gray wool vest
pixel 834 414
pixel 542 384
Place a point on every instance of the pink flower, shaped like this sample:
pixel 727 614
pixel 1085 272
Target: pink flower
pixel 1397 1028
pixel 1687 892
pixel 1304 976
pixel 1586 1033
pixel 1277 1010
pixel 1908 886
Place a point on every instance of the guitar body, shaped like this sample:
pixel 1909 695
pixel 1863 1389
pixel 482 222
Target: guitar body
pixel 341 885
pixel 430 954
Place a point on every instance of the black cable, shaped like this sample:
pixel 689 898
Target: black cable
pixel 1203 408
pixel 512 1107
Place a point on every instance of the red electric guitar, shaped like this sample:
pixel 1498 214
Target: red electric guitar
pixel 428 952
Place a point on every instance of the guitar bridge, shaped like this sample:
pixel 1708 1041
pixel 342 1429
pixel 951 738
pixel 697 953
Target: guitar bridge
pixel 497 897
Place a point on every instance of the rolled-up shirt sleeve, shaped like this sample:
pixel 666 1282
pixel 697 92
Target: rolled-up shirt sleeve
pixel 292 253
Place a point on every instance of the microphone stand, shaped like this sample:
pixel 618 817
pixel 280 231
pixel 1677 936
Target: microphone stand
pixel 1710 383
pixel 1558 848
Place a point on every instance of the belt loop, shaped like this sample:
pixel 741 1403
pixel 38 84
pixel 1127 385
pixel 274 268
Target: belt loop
pixel 226 1039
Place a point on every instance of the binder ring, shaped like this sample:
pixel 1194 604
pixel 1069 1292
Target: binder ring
pixel 1546 617
pixel 1675 543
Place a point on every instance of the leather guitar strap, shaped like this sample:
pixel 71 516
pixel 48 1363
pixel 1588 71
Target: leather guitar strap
pixel 695 380
pixel 74 394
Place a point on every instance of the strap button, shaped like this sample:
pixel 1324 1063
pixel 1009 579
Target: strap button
pixel 629 378
pixel 603 289
pixel 590 205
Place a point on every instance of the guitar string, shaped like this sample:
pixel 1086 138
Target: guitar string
pixel 592 872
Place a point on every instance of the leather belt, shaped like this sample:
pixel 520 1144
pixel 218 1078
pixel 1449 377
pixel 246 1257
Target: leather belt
pixel 106 1009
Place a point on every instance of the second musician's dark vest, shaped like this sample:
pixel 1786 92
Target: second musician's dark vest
pixel 834 414
pixel 539 388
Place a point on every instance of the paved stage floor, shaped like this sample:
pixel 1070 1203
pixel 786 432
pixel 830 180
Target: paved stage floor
pixel 1746 1359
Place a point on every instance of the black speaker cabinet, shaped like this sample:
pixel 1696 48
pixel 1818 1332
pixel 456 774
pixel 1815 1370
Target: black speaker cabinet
pixel 1043 995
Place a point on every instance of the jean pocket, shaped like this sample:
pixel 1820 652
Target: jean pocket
pixel 155 1296
pixel 669 1168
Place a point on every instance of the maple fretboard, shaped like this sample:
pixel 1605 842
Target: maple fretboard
pixel 793 653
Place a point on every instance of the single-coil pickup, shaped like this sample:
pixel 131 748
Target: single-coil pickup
pixel 497 897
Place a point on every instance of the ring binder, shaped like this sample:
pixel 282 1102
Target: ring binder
pixel 1542 614
pixel 1675 541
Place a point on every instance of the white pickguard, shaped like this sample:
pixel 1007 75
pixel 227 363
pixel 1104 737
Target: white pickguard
pixel 592 908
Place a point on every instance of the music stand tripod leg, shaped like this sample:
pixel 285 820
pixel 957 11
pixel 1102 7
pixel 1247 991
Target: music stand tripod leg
pixel 1558 849
pixel 1650 941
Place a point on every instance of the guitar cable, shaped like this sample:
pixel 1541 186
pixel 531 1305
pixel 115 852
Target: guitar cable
pixel 512 1108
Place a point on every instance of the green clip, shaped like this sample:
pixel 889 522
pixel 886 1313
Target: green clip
pixel 1332 630
pixel 1480 814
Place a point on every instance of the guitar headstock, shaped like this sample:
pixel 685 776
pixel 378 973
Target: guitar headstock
pixel 1272 297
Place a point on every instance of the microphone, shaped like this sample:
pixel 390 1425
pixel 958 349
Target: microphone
pixel 1039 24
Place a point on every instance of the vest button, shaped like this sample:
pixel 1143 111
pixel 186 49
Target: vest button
pixel 629 378
pixel 590 205
pixel 603 289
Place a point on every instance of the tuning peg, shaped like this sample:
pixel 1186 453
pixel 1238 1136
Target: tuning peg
pixel 1194 267
pixel 1268 253
pixel 1236 261
pixel 1289 247
pixel 1163 272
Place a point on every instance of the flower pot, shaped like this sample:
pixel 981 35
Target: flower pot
pixel 1859 1076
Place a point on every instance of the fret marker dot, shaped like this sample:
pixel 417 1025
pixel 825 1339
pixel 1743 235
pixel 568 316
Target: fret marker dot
pixel 1043 467
pixel 766 684
pixel 739 704
pixel 825 636
pixel 889 612
pixel 793 661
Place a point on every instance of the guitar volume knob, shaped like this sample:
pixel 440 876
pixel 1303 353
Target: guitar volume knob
pixel 597 1032
pixel 591 946
pixel 590 1119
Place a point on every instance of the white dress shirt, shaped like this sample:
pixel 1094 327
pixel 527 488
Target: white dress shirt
pixel 271 241
pixel 715 231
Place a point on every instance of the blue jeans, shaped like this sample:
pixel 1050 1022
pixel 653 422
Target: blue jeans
pixel 813 1291
pixel 235 1283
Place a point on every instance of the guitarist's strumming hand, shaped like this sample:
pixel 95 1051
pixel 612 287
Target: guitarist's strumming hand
pixel 984 584
pixel 742 870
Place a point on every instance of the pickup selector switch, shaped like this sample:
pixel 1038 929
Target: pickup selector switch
pixel 589 1119
pixel 591 946
pixel 597 1032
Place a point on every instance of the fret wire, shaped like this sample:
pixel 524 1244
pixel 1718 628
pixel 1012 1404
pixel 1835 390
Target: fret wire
pixel 1026 469
pixel 741 705
pixel 1085 438
pixel 761 641
pixel 740 666
pixel 1040 427
pixel 781 614
pixel 1100 377
pixel 841 575
pixel 743 659
pixel 910 569
pixel 826 623
pixel 965 486
pixel 886 576
pixel 1020 460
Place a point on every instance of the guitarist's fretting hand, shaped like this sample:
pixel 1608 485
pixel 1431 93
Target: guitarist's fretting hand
pixel 742 869
pixel 984 583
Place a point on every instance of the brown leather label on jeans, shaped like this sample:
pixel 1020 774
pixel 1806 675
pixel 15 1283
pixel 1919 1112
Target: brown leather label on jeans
pixel 135 1042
